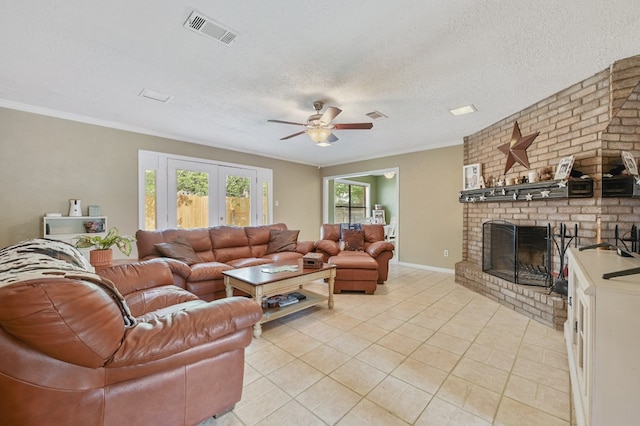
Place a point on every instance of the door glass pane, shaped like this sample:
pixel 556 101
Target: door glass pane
pixel 265 203
pixel 193 199
pixel 238 200
pixel 150 212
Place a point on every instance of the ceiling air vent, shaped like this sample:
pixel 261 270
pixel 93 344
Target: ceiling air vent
pixel 207 27
pixel 376 115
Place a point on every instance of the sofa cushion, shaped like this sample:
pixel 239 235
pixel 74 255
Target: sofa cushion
pixel 208 271
pixel 282 240
pixel 330 231
pixel 259 236
pixel 250 261
pixel 353 240
pixel 229 243
pixel 373 233
pixel 283 256
pixel 178 249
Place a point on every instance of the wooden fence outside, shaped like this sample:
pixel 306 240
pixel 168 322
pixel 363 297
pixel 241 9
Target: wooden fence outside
pixel 193 211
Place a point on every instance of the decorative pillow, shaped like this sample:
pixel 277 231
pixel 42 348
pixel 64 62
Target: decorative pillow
pixel 353 240
pixel 178 249
pixel 354 226
pixel 282 240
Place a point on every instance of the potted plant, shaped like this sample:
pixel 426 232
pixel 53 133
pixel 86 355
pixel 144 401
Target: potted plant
pixel 102 255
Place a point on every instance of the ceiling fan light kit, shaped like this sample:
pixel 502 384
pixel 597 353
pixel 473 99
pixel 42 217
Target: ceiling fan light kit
pixel 319 134
pixel 319 126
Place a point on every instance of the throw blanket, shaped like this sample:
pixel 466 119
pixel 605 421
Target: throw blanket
pixel 41 258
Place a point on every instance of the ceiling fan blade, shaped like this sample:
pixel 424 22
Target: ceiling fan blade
pixel 330 114
pixel 286 122
pixel 346 126
pixel 293 135
pixel 332 138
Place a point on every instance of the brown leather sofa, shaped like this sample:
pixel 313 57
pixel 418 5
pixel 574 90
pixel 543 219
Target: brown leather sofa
pixel 218 249
pixel 124 347
pixel 357 270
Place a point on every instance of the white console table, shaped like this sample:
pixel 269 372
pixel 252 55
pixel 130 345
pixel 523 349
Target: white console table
pixel 603 338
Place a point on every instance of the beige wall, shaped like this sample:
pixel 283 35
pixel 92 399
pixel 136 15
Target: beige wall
pixel 45 161
pixel 430 217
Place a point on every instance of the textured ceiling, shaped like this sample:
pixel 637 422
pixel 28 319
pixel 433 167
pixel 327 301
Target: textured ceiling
pixel 410 60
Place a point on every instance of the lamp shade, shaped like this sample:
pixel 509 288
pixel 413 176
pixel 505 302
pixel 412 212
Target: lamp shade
pixel 318 134
pixel 389 175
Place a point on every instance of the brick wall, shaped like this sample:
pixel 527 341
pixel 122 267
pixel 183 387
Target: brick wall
pixel 593 120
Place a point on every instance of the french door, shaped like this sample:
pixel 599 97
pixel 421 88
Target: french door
pixel 201 195
pixel 186 192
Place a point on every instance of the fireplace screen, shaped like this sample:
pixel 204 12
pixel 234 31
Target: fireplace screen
pixel 519 254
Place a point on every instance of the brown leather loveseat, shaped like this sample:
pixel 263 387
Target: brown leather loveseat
pixel 210 251
pixel 128 347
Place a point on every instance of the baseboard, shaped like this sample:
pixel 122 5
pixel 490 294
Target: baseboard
pixel 427 267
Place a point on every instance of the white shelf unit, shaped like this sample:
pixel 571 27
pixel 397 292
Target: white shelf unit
pixel 602 333
pixel 70 228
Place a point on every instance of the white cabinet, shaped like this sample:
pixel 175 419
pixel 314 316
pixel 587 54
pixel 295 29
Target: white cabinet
pixel 69 228
pixel 603 338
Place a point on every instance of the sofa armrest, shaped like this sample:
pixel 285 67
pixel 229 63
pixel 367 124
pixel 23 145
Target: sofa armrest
pixel 305 247
pixel 328 247
pixel 378 247
pixel 185 329
pixel 177 267
pixel 136 276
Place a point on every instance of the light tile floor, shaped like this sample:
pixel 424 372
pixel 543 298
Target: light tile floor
pixel 422 351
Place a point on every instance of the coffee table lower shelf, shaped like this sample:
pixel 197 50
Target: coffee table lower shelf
pixel 313 298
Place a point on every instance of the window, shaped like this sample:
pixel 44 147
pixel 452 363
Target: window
pixel 350 202
pixel 184 192
pixel 150 199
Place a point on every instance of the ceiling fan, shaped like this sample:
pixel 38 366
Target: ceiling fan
pixel 319 126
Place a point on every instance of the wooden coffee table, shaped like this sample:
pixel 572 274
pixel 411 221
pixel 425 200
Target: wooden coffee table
pixel 254 281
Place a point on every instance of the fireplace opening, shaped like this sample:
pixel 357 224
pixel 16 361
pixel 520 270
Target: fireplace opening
pixel 519 254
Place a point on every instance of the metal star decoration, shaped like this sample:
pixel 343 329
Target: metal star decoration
pixel 516 149
pixel 545 193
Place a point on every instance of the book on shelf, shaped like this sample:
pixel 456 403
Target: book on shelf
pixel 281 300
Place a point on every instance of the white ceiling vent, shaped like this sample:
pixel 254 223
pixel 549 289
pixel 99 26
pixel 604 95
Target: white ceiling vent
pixel 207 27
pixel 376 115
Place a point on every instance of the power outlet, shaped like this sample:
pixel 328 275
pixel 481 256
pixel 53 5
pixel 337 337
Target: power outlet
pixel 446 253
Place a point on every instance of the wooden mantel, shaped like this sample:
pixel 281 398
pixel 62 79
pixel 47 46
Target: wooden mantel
pixel 572 188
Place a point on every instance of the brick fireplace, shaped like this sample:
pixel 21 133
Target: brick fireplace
pixel 593 120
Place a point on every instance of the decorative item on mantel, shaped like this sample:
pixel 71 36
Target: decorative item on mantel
pixel 516 149
pixel 570 183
